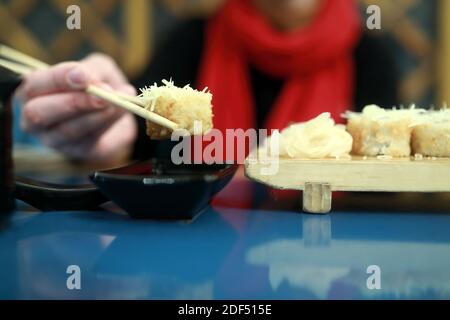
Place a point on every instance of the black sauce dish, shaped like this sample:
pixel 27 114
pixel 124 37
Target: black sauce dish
pixel 155 189
pixel 48 196
pixel 158 189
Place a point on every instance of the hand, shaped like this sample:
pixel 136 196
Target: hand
pixel 64 117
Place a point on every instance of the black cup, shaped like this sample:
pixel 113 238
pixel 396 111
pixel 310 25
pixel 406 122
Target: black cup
pixel 8 83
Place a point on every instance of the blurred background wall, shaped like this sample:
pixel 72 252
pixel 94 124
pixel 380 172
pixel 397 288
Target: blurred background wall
pixel 410 29
pixel 417 32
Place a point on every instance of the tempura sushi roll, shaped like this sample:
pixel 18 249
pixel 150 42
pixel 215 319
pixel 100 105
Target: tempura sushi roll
pixel 431 134
pixel 185 106
pixel 381 132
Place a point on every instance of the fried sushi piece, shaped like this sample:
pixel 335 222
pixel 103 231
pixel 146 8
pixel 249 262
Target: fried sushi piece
pixel 189 108
pixel 431 134
pixel 381 132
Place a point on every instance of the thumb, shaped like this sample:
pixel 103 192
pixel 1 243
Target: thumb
pixel 67 76
pixel 77 78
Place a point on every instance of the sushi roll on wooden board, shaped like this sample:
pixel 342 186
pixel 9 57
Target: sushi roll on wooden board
pixel 381 132
pixel 431 134
pixel 392 151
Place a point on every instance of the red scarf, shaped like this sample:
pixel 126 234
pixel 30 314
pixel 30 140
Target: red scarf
pixel 316 62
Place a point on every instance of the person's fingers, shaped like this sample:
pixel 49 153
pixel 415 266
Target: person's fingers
pixel 63 77
pixel 46 111
pixel 127 89
pixel 68 76
pixel 99 102
pixel 109 73
pixel 87 125
pixel 73 76
pixel 114 143
pixel 123 133
pixel 124 88
pixel 106 69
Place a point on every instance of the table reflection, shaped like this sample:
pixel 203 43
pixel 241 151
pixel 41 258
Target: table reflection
pixel 226 254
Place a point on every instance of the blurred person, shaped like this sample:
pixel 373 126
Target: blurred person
pixel 267 62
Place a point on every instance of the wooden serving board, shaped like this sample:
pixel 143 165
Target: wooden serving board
pixel 318 178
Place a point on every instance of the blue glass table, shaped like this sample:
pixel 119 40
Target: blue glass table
pixel 265 250
pixel 227 254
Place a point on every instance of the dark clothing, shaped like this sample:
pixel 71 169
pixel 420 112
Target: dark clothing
pixel 179 59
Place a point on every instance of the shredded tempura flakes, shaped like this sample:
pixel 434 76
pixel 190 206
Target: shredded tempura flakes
pixel 377 114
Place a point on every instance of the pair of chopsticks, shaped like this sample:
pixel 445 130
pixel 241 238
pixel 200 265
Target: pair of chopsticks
pixel 23 64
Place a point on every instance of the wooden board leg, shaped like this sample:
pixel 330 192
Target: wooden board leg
pixel 317 198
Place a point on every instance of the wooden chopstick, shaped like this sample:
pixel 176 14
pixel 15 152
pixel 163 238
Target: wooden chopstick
pixel 24 64
pixel 134 99
pixel 20 69
pixel 22 58
pixel 32 63
pixel 132 107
